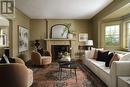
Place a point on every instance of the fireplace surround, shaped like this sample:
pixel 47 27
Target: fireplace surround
pixel 64 42
pixel 56 50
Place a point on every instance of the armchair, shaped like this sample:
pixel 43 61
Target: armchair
pixel 38 59
pixel 15 74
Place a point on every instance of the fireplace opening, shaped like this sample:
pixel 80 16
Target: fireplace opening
pixel 57 49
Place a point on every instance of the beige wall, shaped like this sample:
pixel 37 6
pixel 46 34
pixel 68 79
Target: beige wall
pixel 22 20
pixel 38 29
pixel 97 20
pixel 79 26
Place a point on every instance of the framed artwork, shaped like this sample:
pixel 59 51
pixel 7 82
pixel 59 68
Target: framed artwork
pixel 23 38
pixel 83 37
pixel 7 7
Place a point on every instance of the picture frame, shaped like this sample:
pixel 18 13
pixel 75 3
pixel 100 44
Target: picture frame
pixel 7 7
pixel 83 37
pixel 23 38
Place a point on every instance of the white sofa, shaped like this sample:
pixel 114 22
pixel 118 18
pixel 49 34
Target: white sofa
pixel 106 74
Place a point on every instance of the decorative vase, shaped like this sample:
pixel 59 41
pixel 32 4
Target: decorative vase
pixel 70 36
pixel 68 58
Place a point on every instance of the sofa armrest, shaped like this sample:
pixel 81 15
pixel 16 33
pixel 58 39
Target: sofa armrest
pixel 119 68
pixel 18 60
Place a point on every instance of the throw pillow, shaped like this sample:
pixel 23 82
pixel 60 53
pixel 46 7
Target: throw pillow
pixel 46 53
pixel 114 58
pixel 102 56
pixel 109 59
pixel 96 52
pixel 40 51
pixel 91 55
pixel 87 53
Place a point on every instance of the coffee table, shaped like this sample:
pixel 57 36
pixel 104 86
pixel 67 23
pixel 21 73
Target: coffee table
pixel 72 65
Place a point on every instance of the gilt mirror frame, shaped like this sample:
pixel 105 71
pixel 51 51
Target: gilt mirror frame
pixel 59 31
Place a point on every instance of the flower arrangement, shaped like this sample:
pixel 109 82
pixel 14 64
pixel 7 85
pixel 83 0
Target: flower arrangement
pixel 65 56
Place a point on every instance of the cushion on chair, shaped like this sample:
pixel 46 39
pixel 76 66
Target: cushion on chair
pixel 46 53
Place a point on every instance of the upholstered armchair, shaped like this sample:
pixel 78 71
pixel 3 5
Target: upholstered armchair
pixel 38 59
pixel 15 74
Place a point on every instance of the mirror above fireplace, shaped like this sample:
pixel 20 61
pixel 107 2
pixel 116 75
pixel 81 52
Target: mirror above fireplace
pixel 59 31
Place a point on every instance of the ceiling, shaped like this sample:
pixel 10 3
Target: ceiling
pixel 125 10
pixel 61 9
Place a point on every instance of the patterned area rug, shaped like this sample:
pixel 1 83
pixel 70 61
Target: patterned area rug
pixel 49 77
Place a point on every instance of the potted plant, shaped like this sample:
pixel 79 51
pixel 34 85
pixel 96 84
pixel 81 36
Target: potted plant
pixel 71 33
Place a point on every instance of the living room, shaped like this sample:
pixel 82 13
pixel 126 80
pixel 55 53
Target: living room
pixel 83 21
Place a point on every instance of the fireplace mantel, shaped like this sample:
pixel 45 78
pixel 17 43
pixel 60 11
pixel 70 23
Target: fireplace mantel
pixel 59 39
pixel 50 42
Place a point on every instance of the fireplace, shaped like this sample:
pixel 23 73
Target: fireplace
pixel 57 49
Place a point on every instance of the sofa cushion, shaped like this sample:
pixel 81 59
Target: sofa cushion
pixel 102 55
pixel 114 58
pixel 109 59
pixel 98 67
pixel 96 52
pixel 89 53
pixel 125 57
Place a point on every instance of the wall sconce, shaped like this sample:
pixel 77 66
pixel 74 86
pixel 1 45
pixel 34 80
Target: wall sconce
pixel 7 7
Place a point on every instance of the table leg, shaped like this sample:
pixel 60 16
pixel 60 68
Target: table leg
pixel 75 74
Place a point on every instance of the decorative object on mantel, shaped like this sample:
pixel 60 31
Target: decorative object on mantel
pixel 83 37
pixel 23 38
pixel 71 33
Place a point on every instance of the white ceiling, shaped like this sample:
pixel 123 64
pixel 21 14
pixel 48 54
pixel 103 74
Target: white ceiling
pixel 61 9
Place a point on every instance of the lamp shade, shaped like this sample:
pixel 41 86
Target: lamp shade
pixel 89 43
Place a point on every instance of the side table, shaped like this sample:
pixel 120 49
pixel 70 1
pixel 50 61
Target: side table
pixel 124 81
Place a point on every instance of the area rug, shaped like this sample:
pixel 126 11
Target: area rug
pixel 49 77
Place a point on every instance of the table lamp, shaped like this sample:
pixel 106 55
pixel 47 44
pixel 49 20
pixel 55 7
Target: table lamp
pixel 89 43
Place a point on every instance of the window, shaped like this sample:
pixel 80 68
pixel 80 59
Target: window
pixel 3 37
pixel 112 35
pixel 128 33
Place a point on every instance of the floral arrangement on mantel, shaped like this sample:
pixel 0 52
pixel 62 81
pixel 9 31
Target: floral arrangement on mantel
pixel 71 33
